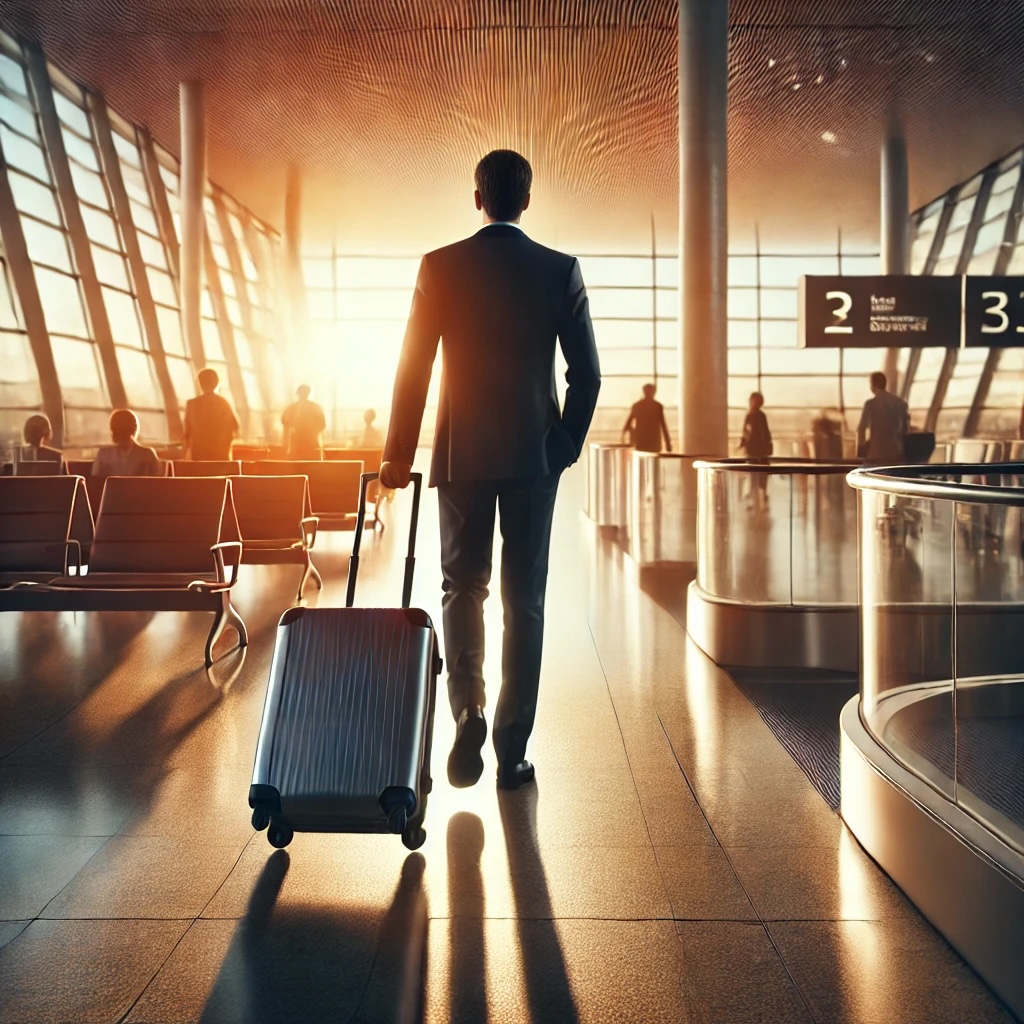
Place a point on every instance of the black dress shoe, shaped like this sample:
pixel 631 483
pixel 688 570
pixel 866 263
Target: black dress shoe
pixel 515 775
pixel 465 765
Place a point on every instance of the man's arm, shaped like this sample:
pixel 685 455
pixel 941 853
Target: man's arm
pixel 862 427
pixel 583 372
pixel 412 380
pixel 630 419
pixel 187 439
pixel 664 429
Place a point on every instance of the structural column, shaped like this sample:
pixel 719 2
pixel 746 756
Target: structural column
pixel 895 225
pixel 703 226
pixel 193 189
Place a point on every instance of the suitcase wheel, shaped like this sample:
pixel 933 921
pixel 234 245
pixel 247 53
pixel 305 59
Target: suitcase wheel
pixel 414 837
pixel 279 835
pixel 260 818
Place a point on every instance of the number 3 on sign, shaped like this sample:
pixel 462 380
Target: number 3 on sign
pixel 998 309
pixel 841 312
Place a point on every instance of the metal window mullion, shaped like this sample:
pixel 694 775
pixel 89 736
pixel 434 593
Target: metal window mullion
pixel 914 357
pixel 161 206
pixel 81 252
pixel 227 332
pixel 988 371
pixel 271 308
pixel 949 360
pixel 111 164
pixel 34 316
pixel 257 343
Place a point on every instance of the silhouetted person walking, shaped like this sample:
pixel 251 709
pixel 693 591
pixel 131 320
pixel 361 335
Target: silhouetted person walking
pixel 303 423
pixel 210 422
pixel 882 431
pixel 645 425
pixel 371 435
pixel 126 457
pixel 757 441
pixel 498 302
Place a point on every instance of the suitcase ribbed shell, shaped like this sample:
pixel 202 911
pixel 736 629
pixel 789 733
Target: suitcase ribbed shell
pixel 349 715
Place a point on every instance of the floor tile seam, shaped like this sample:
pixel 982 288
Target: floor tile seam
pixel 88 861
pixel 156 973
pixel 629 765
pixel 739 881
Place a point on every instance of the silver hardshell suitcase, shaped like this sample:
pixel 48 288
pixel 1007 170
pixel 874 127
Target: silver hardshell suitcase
pixel 345 741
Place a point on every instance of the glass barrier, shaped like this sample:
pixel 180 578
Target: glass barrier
pixel 942 614
pixel 782 531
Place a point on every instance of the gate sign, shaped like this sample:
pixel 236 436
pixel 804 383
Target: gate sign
pixel 897 310
pixel 994 312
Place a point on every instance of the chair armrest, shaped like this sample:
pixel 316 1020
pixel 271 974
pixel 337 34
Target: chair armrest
pixel 308 525
pixel 227 554
pixel 75 547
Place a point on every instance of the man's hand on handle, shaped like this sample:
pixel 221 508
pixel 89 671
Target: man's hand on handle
pixel 394 475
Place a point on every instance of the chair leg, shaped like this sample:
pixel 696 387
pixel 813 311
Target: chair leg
pixel 236 621
pixel 309 570
pixel 219 621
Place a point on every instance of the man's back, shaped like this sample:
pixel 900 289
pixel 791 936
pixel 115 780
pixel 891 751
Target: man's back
pixel 887 419
pixel 646 417
pixel 500 302
pixel 210 425
pixel 303 421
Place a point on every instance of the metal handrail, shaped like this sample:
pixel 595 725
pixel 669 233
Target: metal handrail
pixel 794 466
pixel 915 482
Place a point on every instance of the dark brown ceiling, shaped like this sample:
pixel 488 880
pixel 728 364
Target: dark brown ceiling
pixel 387 105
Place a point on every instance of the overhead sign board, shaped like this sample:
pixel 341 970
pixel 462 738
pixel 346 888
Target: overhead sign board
pixel 994 312
pixel 904 311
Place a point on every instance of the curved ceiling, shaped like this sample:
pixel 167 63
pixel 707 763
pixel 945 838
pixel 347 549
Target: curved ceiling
pixel 386 106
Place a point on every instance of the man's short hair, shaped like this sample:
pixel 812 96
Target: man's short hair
pixel 37 429
pixel 758 396
pixel 878 380
pixel 208 379
pixel 303 391
pixel 503 179
pixel 123 423
pixel 648 390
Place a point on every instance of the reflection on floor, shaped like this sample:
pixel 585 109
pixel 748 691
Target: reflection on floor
pixel 672 863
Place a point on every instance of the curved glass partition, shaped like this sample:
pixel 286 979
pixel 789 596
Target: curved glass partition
pixel 777 532
pixel 942 655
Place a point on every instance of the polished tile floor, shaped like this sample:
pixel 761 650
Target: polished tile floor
pixel 671 863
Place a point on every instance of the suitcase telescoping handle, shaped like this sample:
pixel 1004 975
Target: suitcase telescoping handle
pixel 410 559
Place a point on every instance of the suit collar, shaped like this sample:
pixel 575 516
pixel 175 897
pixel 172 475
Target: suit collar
pixel 501 231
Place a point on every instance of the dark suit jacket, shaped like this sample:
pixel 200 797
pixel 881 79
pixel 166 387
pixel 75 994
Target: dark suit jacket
pixel 498 302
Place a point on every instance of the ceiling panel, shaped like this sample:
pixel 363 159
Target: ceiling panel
pixel 387 106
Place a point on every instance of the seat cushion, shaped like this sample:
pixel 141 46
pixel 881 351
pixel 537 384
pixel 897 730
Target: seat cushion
pixel 131 580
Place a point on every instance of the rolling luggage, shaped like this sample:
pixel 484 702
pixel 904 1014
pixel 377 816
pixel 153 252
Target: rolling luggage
pixel 345 741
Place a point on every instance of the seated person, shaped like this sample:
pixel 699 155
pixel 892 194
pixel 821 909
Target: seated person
pixel 126 457
pixel 37 431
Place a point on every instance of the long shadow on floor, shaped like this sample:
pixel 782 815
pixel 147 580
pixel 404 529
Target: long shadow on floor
pixel 320 963
pixel 547 981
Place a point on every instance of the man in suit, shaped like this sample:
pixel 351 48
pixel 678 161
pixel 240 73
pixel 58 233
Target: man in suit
pixel 882 431
pixel 499 302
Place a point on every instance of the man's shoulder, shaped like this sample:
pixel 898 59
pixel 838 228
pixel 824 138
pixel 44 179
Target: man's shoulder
pixel 466 246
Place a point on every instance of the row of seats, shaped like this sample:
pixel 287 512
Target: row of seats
pixel 156 544
pixel 333 486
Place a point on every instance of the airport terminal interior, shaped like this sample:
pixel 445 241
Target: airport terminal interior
pixel 779 744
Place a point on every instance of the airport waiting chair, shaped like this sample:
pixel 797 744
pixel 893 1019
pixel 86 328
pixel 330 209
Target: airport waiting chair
pixel 46 529
pixel 249 453
pixel 159 545
pixel 371 459
pixel 276 523
pixel 333 488
pixel 80 467
pixel 40 468
pixel 207 467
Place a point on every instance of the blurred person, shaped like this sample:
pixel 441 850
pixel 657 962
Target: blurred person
pixel 371 435
pixel 210 422
pixel 37 432
pixel 303 423
pixel 882 431
pixel 646 424
pixel 756 441
pixel 126 457
pixel 498 302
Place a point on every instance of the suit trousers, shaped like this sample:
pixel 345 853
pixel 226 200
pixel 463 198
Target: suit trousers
pixel 467 513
